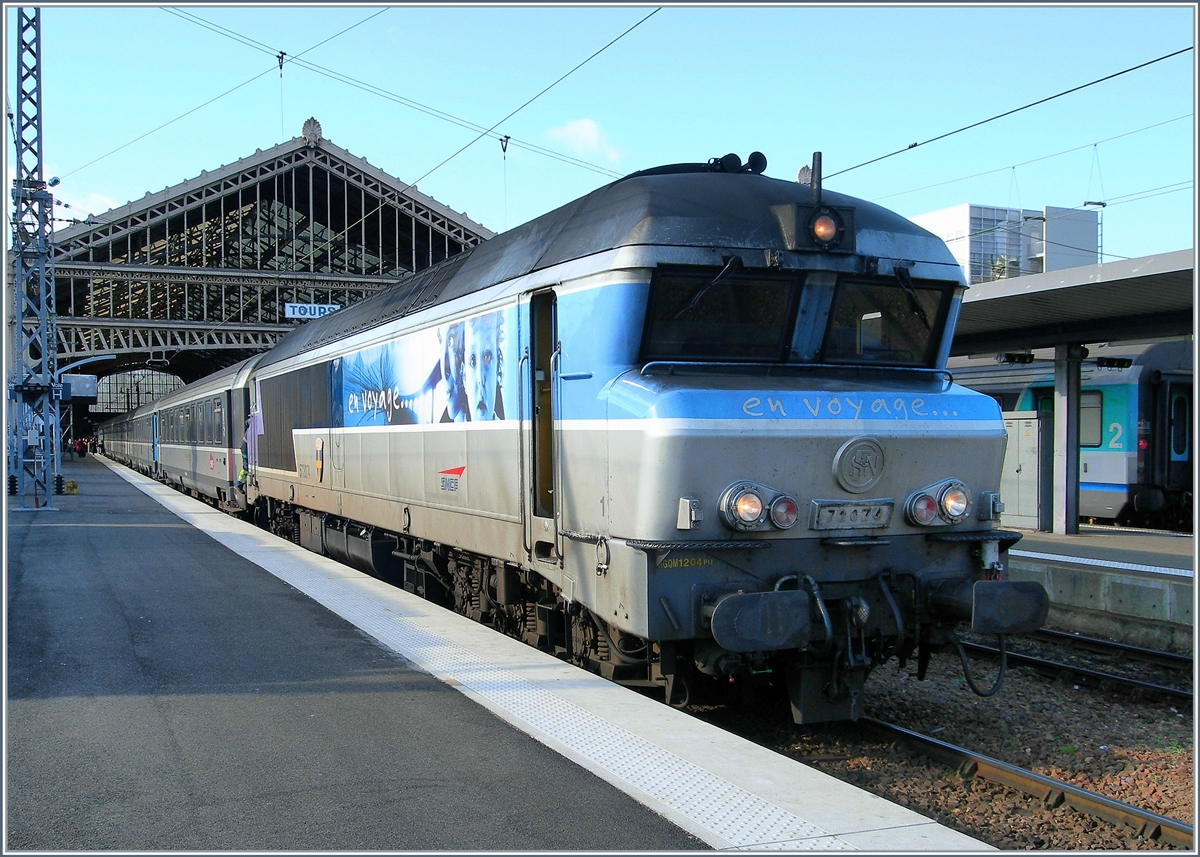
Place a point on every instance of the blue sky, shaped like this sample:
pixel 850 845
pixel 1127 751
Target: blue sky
pixel 687 83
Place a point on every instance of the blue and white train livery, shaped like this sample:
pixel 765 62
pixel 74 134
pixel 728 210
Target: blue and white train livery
pixel 693 428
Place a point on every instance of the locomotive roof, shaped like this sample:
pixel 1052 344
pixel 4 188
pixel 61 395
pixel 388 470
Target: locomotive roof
pixel 688 209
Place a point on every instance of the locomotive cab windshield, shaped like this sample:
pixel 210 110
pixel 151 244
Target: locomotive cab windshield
pixel 711 315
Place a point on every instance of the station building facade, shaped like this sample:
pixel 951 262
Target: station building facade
pixel 197 276
pixel 993 243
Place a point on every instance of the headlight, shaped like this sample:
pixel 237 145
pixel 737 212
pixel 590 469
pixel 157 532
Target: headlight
pixel 945 502
pixel 955 502
pixel 742 507
pixel 826 229
pixel 784 512
pixel 748 508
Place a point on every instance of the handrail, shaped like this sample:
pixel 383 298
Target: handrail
pixel 698 366
pixel 526 520
pixel 556 449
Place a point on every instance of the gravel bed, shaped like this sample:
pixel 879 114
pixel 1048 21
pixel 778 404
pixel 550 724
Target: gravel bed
pixel 1140 753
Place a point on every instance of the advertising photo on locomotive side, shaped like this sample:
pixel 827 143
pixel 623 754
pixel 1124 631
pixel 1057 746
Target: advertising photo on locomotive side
pixel 690 429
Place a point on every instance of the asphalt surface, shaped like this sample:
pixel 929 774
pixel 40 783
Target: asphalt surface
pixel 164 693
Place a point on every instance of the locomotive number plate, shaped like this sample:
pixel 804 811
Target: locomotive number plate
pixel 843 515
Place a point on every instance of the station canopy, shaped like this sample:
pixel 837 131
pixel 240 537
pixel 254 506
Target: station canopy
pixel 199 274
pixel 1126 300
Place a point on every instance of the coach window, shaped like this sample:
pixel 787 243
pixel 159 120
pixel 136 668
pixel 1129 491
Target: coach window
pixel 1091 430
pixel 1180 413
pixel 208 422
pixel 1091 422
pixel 218 422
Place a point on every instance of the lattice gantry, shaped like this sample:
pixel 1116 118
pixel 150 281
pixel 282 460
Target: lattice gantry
pixel 209 264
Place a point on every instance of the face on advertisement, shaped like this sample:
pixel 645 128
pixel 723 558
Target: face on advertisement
pixel 452 373
pixel 480 369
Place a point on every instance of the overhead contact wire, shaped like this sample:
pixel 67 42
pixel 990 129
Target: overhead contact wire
pixel 390 96
pixel 912 146
pixel 413 184
pixel 219 97
pixel 1033 160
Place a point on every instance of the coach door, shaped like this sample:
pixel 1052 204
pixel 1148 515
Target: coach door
pixel 1180 432
pixel 154 441
pixel 542 397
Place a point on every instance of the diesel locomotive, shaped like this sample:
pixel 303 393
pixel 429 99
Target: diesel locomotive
pixel 692 428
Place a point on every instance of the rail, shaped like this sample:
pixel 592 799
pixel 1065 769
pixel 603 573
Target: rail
pixel 1083 672
pixel 1052 792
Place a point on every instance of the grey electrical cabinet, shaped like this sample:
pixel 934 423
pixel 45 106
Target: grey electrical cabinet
pixel 1021 482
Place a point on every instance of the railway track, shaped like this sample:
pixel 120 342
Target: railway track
pixel 1053 793
pixel 1134 752
pixel 1181 664
pixel 1167 660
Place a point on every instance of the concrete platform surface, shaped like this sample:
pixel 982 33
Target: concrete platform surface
pixel 1121 546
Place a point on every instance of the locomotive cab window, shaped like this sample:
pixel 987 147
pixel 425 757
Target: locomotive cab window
pixel 701 315
pixel 885 322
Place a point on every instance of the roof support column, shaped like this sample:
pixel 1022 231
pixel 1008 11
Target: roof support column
pixel 1066 437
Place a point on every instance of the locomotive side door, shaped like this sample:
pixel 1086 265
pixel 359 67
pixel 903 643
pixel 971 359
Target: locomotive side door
pixel 542 399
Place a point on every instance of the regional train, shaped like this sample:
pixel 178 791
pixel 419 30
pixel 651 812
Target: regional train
pixel 690 430
pixel 1136 428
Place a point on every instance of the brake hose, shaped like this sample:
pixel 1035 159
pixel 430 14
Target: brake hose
pixel 967 667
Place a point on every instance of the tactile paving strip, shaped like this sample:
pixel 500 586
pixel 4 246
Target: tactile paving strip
pixel 1103 563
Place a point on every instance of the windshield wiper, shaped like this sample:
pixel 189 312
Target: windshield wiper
pixel 733 265
pixel 905 279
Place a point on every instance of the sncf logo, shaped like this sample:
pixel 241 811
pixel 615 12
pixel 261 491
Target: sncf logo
pixel 450 478
pixel 858 465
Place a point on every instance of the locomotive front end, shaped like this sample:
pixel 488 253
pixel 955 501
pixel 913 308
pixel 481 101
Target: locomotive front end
pixel 811 492
pixel 816 527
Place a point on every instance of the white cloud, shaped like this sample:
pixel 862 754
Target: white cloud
pixel 585 139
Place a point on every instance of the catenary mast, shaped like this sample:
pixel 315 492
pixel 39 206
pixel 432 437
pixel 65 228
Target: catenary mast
pixel 34 463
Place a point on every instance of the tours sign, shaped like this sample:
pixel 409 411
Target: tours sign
pixel 308 310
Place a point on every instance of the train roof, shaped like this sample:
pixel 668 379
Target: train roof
pixel 1174 357
pixel 662 207
pixel 222 379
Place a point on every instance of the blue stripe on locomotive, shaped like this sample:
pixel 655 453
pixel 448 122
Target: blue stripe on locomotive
pixel 421 377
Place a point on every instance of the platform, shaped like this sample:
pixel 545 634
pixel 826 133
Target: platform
pixel 1133 586
pixel 180 679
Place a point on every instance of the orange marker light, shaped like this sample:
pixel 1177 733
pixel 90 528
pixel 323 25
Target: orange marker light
pixel 825 228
